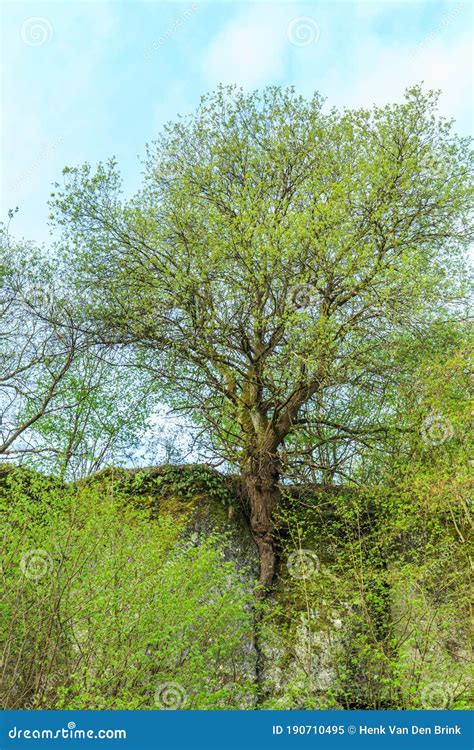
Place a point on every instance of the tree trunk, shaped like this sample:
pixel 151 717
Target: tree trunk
pixel 261 489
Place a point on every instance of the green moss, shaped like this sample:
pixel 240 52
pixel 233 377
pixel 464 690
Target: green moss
pixel 176 489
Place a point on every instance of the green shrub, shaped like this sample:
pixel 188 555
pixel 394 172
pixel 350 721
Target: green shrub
pixel 105 608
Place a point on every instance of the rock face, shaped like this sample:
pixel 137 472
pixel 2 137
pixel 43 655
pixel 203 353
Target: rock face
pixel 337 633
pixel 345 626
pixel 207 500
pixel 298 636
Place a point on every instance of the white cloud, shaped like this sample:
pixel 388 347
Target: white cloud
pixel 379 73
pixel 249 49
pixel 45 124
pixel 253 49
pixel 450 69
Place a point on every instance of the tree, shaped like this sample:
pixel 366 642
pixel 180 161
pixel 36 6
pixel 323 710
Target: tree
pixel 267 272
pixel 64 403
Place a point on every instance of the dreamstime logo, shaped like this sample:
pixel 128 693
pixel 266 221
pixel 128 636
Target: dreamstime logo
pixel 169 163
pixel 436 429
pixel 302 564
pixel 36 563
pixel 429 162
pixel 40 297
pixel 302 31
pixel 171 30
pixel 48 149
pixel 302 296
pixel 36 31
pixel 170 696
pixel 46 685
pixel 436 696
pixel 446 20
pixel 308 617
pixel 335 618
pixel 441 562
pixel 331 549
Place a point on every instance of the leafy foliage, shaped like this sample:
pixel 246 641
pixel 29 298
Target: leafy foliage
pixel 291 280
pixel 276 263
pixel 103 607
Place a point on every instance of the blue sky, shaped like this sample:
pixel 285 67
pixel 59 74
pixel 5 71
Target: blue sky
pixel 84 81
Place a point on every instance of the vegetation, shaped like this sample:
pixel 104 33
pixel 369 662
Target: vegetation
pixel 293 283
pixel 272 264
pixel 108 609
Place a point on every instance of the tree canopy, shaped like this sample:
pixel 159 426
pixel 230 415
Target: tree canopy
pixel 279 273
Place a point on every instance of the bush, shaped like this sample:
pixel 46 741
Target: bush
pixel 105 608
